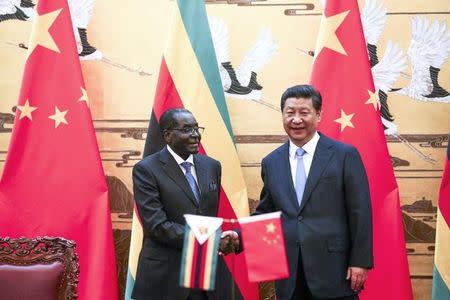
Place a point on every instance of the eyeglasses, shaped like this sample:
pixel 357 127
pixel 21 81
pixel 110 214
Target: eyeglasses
pixel 190 130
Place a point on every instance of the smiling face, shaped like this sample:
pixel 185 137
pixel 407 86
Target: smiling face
pixel 184 144
pixel 300 120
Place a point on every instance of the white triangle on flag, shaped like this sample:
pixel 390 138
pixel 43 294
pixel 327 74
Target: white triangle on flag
pixel 203 227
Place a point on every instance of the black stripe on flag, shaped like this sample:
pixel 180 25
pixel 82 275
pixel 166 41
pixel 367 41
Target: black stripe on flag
pixel 154 141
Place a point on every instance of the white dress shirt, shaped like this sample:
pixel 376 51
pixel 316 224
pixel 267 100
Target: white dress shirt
pixel 310 148
pixel 179 161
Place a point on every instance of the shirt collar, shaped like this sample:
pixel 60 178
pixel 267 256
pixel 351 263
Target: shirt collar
pixel 309 147
pixel 178 159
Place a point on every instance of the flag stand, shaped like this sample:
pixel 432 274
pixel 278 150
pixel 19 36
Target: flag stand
pixel 233 287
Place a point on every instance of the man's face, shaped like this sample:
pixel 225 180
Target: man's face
pixel 183 143
pixel 300 120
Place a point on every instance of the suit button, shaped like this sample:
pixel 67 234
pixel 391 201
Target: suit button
pixel 300 218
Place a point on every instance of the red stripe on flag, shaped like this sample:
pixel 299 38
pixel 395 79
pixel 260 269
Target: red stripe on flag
pixel 167 96
pixel 444 193
pixel 194 265
pixel 201 280
pixel 236 263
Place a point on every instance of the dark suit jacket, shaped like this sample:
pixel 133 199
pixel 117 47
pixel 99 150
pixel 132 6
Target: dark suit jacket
pixel 162 196
pixel 333 226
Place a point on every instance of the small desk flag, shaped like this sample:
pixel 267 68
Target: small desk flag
pixel 264 247
pixel 200 251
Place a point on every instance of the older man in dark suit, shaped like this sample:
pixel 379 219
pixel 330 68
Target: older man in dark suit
pixel 167 185
pixel 321 187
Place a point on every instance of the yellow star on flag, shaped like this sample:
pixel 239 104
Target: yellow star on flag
pixel 270 228
pixel 26 110
pixel 40 34
pixel 345 120
pixel 373 99
pixel 327 33
pixel 59 117
pixel 84 96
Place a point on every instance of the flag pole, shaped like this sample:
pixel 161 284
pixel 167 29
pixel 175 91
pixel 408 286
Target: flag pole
pixel 233 287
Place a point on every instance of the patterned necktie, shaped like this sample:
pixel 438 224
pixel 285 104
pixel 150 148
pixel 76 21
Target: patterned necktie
pixel 190 178
pixel 300 176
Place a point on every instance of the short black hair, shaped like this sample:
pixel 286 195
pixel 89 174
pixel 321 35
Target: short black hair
pixel 167 120
pixel 303 91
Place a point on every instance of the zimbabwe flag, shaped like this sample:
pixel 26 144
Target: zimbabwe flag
pixel 441 272
pixel 200 252
pixel 189 78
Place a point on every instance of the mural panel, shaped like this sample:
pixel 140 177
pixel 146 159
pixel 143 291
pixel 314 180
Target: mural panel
pixel 263 46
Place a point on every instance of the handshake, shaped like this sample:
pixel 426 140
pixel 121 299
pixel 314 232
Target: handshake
pixel 229 242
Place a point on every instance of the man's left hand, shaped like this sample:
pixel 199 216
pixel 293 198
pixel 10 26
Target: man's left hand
pixel 357 276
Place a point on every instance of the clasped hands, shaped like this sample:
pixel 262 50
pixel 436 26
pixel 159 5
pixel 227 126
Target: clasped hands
pixel 229 242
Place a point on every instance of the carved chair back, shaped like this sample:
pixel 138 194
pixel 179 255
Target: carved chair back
pixel 42 268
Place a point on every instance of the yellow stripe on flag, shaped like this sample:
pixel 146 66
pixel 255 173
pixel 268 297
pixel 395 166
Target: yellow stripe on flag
pixel 189 259
pixel 196 96
pixel 135 245
pixel 208 261
pixel 442 253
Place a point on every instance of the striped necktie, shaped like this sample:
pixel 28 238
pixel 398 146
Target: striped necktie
pixel 191 180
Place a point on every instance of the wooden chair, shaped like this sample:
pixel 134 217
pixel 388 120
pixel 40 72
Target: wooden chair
pixel 42 268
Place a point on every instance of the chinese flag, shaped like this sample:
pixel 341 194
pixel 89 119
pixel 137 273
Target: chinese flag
pixel 265 252
pixel 53 182
pixel 350 113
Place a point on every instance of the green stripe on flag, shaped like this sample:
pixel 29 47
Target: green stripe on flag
pixel 129 286
pixel 184 254
pixel 193 13
pixel 212 279
pixel 440 290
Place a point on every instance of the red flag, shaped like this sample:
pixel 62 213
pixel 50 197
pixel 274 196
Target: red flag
pixel 265 252
pixel 53 181
pixel 350 113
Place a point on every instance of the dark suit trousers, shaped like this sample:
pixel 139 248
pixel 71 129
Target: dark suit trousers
pixel 302 291
pixel 197 295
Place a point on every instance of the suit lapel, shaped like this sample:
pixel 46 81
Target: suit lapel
pixel 322 156
pixel 173 170
pixel 201 172
pixel 286 174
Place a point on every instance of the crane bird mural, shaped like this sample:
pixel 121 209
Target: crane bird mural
pixel 242 83
pixel 22 10
pixel 385 71
pixel 80 10
pixel 428 51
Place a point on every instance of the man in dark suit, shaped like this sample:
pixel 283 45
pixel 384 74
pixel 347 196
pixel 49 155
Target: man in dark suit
pixel 321 187
pixel 167 185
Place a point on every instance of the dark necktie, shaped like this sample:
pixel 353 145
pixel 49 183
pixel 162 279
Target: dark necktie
pixel 190 178
pixel 300 176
